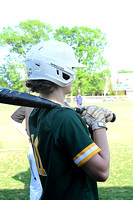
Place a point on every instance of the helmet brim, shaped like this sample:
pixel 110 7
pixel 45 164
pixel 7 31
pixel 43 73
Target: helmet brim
pixel 79 65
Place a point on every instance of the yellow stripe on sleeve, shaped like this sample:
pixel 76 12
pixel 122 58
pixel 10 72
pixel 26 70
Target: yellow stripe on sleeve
pixel 86 154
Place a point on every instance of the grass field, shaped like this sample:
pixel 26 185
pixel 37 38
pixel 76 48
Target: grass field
pixel 15 172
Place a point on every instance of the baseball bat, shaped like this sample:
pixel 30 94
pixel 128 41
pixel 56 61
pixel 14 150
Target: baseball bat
pixel 13 97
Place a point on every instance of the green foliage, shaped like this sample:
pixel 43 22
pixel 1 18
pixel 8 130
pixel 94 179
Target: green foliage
pixel 18 40
pixel 88 45
pixel 13 74
pixel 111 91
pixel 121 92
pixel 90 84
pixel 3 83
pixel 123 71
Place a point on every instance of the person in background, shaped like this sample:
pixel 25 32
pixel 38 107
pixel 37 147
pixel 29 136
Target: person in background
pixel 78 100
pixel 17 118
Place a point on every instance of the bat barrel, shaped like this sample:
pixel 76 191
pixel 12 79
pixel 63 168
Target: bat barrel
pixel 13 97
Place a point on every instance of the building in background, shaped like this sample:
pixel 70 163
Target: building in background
pixel 124 82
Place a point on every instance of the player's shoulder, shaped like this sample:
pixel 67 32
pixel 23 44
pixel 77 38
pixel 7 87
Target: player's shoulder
pixel 56 113
pixel 65 110
pixel 65 113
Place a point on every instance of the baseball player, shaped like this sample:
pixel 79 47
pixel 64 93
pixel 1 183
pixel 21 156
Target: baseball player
pixel 69 161
pixel 17 118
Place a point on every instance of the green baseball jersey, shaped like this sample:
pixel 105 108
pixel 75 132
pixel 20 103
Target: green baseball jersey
pixel 61 146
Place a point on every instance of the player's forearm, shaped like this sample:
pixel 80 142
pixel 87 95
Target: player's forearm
pixel 100 138
pixel 98 166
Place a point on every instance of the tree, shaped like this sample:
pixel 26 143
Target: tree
pixel 19 40
pixel 88 45
pixel 3 83
pixel 90 84
pixel 110 89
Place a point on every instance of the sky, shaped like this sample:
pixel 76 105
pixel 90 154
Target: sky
pixel 113 17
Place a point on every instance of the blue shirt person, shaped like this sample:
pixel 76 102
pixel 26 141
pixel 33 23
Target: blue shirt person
pixel 78 100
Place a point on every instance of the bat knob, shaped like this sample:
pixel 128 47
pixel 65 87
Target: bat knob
pixel 114 118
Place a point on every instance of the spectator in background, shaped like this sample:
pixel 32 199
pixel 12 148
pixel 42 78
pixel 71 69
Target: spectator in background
pixel 78 100
pixel 17 118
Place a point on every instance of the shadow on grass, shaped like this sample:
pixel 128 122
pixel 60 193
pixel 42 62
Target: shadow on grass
pixel 108 193
pixel 23 177
pixel 18 194
pixel 116 193
pixel 14 194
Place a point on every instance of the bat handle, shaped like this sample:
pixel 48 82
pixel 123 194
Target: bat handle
pixel 81 110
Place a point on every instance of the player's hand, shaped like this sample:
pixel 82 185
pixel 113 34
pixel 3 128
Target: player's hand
pixel 96 117
pixel 98 112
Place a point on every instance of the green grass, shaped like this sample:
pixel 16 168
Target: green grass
pixel 14 165
pixel 15 173
pixel 120 136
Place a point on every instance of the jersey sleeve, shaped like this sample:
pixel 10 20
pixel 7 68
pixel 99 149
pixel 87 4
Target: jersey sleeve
pixel 73 137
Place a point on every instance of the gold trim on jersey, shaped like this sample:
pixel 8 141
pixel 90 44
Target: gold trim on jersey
pixel 86 154
pixel 40 168
pixel 56 101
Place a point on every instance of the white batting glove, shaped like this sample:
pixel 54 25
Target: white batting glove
pixel 95 111
pixel 96 117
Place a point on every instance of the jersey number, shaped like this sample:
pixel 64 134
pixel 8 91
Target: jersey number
pixel 40 168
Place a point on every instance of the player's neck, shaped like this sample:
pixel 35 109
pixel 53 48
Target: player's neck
pixel 57 95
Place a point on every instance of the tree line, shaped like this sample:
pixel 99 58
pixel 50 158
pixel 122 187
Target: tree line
pixel 88 45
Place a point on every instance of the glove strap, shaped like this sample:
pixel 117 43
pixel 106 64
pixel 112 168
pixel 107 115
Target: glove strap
pixel 98 125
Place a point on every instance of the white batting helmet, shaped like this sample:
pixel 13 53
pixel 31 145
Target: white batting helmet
pixel 52 60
